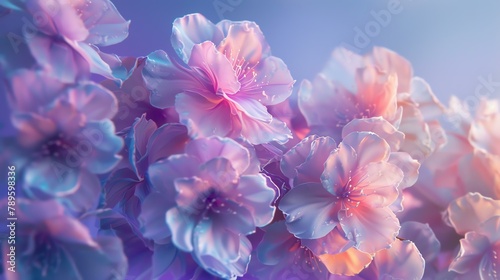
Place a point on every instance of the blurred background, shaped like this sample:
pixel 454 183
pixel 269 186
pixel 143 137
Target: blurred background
pixel 454 45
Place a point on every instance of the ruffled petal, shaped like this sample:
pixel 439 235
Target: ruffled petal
pixel 213 147
pixel 105 24
pixel 369 147
pixel 428 103
pixel 314 165
pixel 472 249
pixel 372 229
pixel 379 126
pixel 182 227
pixel 190 30
pixel 468 212
pixel 348 263
pixel 270 84
pixel 338 168
pixel 204 118
pixel 392 62
pixel 424 238
pixel 244 46
pixel 252 191
pixel 310 211
pixel 378 184
pixel 162 174
pixel 166 79
pixel 259 132
pixel 401 261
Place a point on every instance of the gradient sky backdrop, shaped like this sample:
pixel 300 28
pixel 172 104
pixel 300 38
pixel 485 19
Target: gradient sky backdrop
pixel 450 43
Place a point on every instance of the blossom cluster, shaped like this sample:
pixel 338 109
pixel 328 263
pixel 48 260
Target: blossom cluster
pixel 212 162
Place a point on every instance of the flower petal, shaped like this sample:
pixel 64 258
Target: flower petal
pixel 244 46
pixel 379 126
pixel 369 147
pixel 372 229
pixel 204 118
pixel 309 211
pixel 252 191
pixel 214 147
pixel 468 212
pixel 190 30
pixel 182 227
pixel 401 261
pixel 332 243
pixel 378 183
pixel 349 263
pixel 166 79
pixel 423 237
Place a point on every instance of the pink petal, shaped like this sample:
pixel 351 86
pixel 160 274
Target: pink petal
pixel 372 229
pixel 401 261
pixel 216 147
pixel 392 62
pixel 379 126
pixel 378 183
pixel 349 263
pixel 376 93
pixel 341 67
pixel 66 21
pixel 472 249
pixel 428 103
pixel 205 118
pixel 165 79
pixel 491 229
pixel 244 46
pixel 251 107
pixel 338 168
pixel 215 66
pixel 259 132
pixel 484 133
pixel 369 147
pixel 467 212
pixel 272 83
pixel 312 168
pixel 190 30
pixel 296 156
pixel 408 165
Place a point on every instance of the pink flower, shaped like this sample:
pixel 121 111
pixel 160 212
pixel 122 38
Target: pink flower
pixel 228 80
pixel 379 84
pixel 345 195
pixel 65 34
pixel 479 218
pixel 470 160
